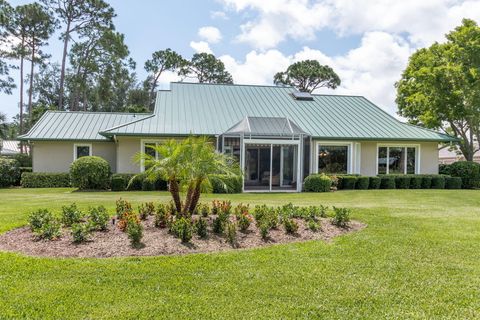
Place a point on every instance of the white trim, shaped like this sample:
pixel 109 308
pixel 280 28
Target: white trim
pixel 271 141
pixel 400 145
pixel 75 145
pixel 358 158
pixel 350 157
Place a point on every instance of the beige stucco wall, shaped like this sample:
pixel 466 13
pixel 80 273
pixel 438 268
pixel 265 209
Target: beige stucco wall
pixel 57 156
pixel 126 149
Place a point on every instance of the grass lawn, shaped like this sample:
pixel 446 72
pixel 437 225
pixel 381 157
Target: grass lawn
pixel 419 258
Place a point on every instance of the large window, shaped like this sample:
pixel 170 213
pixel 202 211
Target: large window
pixel 332 159
pixel 397 160
pixel 81 150
pixel 148 148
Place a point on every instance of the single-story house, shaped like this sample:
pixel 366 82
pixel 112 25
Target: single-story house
pixel 10 147
pixel 278 134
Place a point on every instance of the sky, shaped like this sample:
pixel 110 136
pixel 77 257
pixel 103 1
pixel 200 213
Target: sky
pixel 367 42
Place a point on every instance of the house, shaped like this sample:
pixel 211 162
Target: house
pixel 279 135
pixel 10 147
pixel 451 155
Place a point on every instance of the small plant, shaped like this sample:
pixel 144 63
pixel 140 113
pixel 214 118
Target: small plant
pixel 36 219
pixel 135 232
pixel 264 230
pixel 204 210
pixel 200 226
pixel 241 210
pixel 98 218
pixel 162 216
pixel 313 225
pixel 244 221
pixel 50 230
pixel 145 210
pixel 231 233
pixel 122 207
pixel 322 211
pixel 80 232
pixel 221 207
pixel 220 221
pixel 127 217
pixel 264 214
pixel 182 229
pixel 44 225
pixel 290 225
pixel 70 215
pixel 341 217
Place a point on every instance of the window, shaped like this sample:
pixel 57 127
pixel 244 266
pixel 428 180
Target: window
pixel 332 159
pixel 81 150
pixel 148 148
pixel 397 160
pixel 232 147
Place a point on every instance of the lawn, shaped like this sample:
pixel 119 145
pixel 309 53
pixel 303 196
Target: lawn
pixel 418 258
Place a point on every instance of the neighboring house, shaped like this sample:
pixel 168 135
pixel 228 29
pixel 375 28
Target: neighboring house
pixel 278 134
pixel 9 147
pixel 447 156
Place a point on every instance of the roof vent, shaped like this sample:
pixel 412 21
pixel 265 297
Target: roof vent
pixel 298 95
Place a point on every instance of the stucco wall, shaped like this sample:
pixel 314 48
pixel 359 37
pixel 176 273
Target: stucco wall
pixel 126 150
pixel 57 156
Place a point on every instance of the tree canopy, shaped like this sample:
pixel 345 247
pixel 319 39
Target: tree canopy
pixel 206 68
pixel 308 75
pixel 440 88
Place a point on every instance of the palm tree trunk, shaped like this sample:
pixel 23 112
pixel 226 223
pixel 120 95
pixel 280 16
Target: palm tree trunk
pixel 175 192
pixel 188 199
pixel 195 197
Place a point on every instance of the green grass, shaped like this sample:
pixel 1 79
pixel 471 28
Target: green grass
pixel 418 258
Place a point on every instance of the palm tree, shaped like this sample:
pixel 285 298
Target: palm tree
pixel 3 125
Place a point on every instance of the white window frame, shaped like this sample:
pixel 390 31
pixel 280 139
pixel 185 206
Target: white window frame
pixel 143 142
pixel 75 145
pixel 399 145
pixel 350 145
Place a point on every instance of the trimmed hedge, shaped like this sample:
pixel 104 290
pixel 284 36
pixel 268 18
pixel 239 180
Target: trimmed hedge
pixel 438 181
pixel 387 182
pixel 402 181
pixel 348 182
pixel 90 173
pixel 426 181
pixel 9 172
pixel 233 185
pixel 317 183
pixel 416 181
pixel 467 170
pixel 453 183
pixel 362 183
pixel 374 183
pixel 118 183
pixel 45 180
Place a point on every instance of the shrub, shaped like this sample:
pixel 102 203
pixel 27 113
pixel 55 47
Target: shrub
pixel 402 181
pixel 122 207
pixel 426 181
pixel 241 209
pixel 313 225
pixel 162 216
pixel 219 223
pixel 182 229
pixel 44 225
pixel 118 183
pixel 134 182
pixel 347 182
pixel 266 215
pixel 387 182
pixel 134 232
pixel 80 232
pixel 453 183
pixel 24 159
pixel 438 181
pixel 126 219
pixel 219 207
pixel 244 221
pixel 200 226
pixel 9 172
pixel 264 230
pixel 45 180
pixel 415 181
pixel 231 233
pixel 374 183
pixel 469 172
pixel 230 184
pixel 444 169
pixel 37 218
pixel 148 185
pixel 362 183
pixel 341 217
pixel 71 215
pixel 90 172
pixel 203 209
pixel 290 225
pixel 317 183
pixel 145 210
pixel 98 218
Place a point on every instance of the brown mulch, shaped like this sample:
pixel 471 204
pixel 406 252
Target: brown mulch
pixel 156 242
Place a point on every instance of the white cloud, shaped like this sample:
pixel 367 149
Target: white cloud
pixel 218 15
pixel 210 34
pixel 200 46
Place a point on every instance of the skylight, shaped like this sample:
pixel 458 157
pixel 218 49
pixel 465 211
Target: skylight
pixel 298 95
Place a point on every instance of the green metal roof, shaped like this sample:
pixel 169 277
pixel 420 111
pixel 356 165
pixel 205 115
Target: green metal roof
pixel 84 126
pixel 265 126
pixel 211 109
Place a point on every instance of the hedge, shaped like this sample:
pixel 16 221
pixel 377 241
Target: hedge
pixel 416 181
pixel 467 170
pixel 402 181
pixel 45 180
pixel 362 183
pixel 438 181
pixel 231 184
pixel 426 181
pixel 317 183
pixel 9 172
pixel 374 183
pixel 347 181
pixel 453 183
pixel 118 183
pixel 387 182
pixel 90 173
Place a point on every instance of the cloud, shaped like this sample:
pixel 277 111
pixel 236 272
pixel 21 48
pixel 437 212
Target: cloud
pixel 218 15
pixel 210 34
pixel 200 46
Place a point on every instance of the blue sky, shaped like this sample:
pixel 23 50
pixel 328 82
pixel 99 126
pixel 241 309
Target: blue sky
pixel 367 42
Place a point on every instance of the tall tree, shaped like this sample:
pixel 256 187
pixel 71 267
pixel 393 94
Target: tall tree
pixel 440 88
pixel 76 17
pixel 163 60
pixel 3 125
pixel 46 85
pixel 206 68
pixel 6 15
pixel 308 75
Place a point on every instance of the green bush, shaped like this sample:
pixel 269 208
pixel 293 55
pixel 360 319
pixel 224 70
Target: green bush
pixel 80 232
pixel 146 209
pixel 45 180
pixel 444 169
pixel 90 173
pixel 438 181
pixel 98 218
pixel 182 229
pixel 24 159
pixel 266 216
pixel 313 225
pixel 200 226
pixel 231 234
pixel 9 172
pixel 71 215
pixel 362 183
pixel 162 216
pixel 118 183
pixel 402 181
pixel 469 172
pixel 290 225
pixel 264 230
pixel 415 181
pixel 44 225
pixel 37 218
pixel 231 184
pixel 341 217
pixel 317 183
pixel 347 182
pixel 374 183
pixel 426 181
pixel 148 185
pixel 134 182
pixel 387 182
pixel 219 223
pixel 453 183
pixel 134 232
pixel 244 221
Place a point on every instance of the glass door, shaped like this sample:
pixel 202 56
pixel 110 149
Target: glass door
pixel 288 177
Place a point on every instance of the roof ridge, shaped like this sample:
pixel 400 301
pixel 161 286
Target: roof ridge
pixel 126 124
pixel 98 112
pixel 336 95
pixel 232 85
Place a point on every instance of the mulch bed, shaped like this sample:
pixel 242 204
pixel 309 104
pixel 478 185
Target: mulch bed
pixel 156 242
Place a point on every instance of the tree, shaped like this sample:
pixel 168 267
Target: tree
pixel 78 16
pixel 440 88
pixel 308 75
pixel 46 85
pixel 206 68
pixel 163 60
pixel 6 15
pixel 3 125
